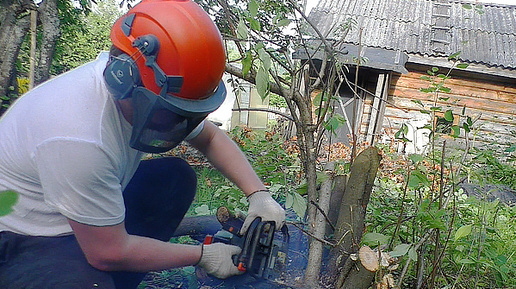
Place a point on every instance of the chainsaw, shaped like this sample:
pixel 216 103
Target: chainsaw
pixel 264 250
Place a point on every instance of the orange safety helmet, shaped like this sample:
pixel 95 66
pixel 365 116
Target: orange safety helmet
pixel 190 45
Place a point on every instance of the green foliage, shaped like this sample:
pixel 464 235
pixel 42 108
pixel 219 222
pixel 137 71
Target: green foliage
pixel 334 122
pixel 277 101
pixel 480 246
pixel 84 37
pixel 402 133
pixel 278 170
pixel 375 239
pixel 428 219
pixel 489 168
pixel 214 191
pixel 7 200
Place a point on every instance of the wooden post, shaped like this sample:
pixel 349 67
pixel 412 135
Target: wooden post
pixel 378 108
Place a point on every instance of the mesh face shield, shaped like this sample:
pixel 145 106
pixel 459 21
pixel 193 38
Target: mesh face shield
pixel 161 122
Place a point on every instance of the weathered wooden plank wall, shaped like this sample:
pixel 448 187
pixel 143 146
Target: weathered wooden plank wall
pixel 492 102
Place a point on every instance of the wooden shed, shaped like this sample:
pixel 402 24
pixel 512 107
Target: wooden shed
pixel 402 40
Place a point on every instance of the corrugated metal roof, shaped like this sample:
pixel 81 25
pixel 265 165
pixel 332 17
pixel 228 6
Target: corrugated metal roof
pixel 425 27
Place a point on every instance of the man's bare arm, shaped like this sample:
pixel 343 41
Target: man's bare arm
pixel 227 157
pixel 111 248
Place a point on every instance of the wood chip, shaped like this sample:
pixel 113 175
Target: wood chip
pixel 368 258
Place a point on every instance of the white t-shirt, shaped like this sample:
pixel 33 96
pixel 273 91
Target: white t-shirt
pixel 64 147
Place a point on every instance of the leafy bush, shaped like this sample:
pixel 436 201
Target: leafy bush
pixel 274 161
pixel 488 168
pixel 477 238
pixel 7 200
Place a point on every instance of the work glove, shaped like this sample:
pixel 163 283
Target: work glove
pixel 216 260
pixel 262 205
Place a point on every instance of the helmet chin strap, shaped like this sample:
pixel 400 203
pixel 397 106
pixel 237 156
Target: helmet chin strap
pixel 148 45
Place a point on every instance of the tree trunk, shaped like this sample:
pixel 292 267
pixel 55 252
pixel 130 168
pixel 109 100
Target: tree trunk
pixel 308 154
pixel 33 46
pixel 350 224
pixel 49 17
pixel 15 22
pixel 313 267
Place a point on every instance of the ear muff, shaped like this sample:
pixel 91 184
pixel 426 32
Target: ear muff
pixel 122 76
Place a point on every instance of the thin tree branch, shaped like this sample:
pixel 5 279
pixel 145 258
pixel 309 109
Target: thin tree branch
pixel 311 235
pixel 265 110
pixel 324 214
pixel 250 77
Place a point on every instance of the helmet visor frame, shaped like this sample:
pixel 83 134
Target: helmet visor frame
pixel 161 122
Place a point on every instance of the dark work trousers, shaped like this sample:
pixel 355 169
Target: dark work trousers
pixel 156 201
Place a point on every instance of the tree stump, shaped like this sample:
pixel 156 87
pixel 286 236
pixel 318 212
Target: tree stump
pixel 350 223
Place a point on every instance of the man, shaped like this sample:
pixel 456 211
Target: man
pixel 90 214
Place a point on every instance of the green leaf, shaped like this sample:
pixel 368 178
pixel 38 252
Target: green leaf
pixel 436 224
pixel 202 210
pixel 299 205
pixel 417 178
pixel 253 8
pixel 302 189
pixel 455 130
pixel 373 239
pixel 262 82
pixel 247 63
pixel 284 22
pixel 255 24
pixel 318 99
pixel 454 55
pixel 463 231
pixel 444 89
pixel 404 128
pixel 400 250
pixel 435 69
pixel 427 90
pixel 479 9
pixel 289 201
pixel 448 115
pixel 398 134
pixel 334 122
pixel 466 127
pixel 242 30
pixel 462 65
pixel 418 102
pixel 416 158
pixel 467 6
pixel 511 149
pixel 412 254
pixel 466 261
pixel 259 46
pixel 501 260
pixel 265 58
pixel 7 200
pixel 413 182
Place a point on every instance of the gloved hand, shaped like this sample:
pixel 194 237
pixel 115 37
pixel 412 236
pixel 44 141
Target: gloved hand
pixel 216 259
pixel 262 205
